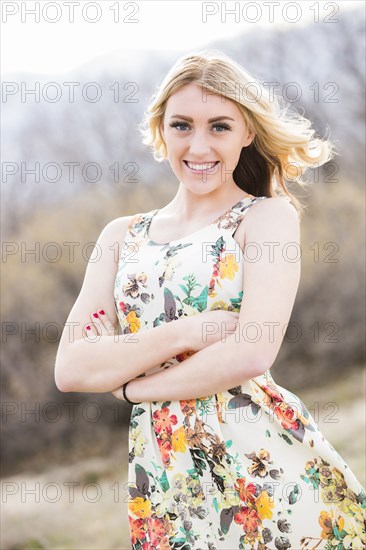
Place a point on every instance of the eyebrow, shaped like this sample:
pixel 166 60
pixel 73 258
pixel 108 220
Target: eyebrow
pixel 209 120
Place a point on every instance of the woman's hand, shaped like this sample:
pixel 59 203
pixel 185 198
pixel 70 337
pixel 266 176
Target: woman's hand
pixel 101 325
pixel 208 327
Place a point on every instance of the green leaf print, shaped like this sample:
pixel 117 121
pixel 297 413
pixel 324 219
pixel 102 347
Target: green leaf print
pixel 184 288
pixel 217 248
pixel 198 302
pixel 191 278
pixel 236 302
pixel 165 404
pixel 179 544
pixel 199 462
pixel 215 504
pixel 164 483
pixel 136 411
pixel 294 495
pixel 286 438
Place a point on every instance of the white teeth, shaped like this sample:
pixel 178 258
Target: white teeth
pixel 201 166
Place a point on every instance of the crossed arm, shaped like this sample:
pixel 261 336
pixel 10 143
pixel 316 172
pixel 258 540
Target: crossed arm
pixel 271 262
pixel 210 370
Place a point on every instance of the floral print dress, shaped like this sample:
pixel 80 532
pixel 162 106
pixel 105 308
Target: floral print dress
pixel 247 468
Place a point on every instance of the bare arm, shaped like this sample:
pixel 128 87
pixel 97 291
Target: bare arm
pixel 210 370
pixel 102 365
pixel 269 289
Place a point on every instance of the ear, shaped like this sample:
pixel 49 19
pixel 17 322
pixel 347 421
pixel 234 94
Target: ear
pixel 161 128
pixel 250 139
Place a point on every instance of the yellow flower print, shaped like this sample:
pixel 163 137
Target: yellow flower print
pixel 264 505
pixel 189 310
pixel 179 440
pixel 230 498
pixel 197 495
pixel 340 523
pixel 355 537
pixel 352 509
pixel 220 304
pixel 229 476
pixel 228 267
pixel 170 264
pixel 140 507
pixel 179 480
pixel 138 440
pixel 133 321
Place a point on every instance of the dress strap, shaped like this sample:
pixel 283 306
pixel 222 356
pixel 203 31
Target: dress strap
pixel 139 224
pixel 235 215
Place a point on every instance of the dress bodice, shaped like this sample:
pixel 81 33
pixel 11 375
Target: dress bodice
pixel 158 283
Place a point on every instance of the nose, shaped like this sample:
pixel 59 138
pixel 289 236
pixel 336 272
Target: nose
pixel 199 145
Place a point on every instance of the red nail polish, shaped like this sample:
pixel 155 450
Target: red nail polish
pixel 101 312
pixel 95 315
pixel 88 327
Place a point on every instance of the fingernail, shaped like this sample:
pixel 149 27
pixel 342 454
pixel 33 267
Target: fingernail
pixel 95 315
pixel 101 312
pixel 88 328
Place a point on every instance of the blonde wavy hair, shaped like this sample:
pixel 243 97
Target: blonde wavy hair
pixel 284 142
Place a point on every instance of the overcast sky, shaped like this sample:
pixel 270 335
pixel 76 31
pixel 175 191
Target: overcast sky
pixel 57 47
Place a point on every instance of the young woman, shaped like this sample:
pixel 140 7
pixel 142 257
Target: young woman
pixel 220 456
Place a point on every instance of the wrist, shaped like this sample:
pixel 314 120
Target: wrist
pixel 132 392
pixel 181 335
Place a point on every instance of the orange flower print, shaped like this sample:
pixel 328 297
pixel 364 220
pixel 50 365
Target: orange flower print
pixel 249 519
pixel 157 530
pixel 164 422
pixel 325 523
pixel 188 407
pixel 287 415
pixel 165 448
pixel 272 393
pixel 137 533
pixel 246 491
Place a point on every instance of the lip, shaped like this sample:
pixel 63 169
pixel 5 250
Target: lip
pixel 207 171
pixel 202 162
pixel 212 170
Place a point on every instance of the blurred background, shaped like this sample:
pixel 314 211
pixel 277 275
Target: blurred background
pixel 74 88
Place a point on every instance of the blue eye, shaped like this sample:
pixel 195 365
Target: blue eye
pixel 176 124
pixel 216 125
pixel 221 125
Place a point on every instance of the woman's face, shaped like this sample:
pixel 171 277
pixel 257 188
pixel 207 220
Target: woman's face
pixel 191 137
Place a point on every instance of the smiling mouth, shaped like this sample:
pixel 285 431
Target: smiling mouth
pixel 200 167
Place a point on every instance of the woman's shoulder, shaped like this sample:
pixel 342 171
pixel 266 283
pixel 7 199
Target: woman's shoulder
pixel 276 206
pixel 273 215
